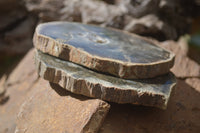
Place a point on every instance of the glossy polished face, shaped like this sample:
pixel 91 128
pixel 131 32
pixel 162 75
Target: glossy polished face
pixel 159 85
pixel 103 42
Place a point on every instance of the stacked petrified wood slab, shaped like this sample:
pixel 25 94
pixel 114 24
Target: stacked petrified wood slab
pixel 104 63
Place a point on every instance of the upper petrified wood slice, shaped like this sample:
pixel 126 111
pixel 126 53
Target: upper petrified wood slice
pixel 103 49
pixel 80 80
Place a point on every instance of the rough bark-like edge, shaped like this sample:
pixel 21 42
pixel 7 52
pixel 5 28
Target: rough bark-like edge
pixel 114 67
pixel 100 91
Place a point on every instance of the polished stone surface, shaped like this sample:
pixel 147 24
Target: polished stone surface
pixel 80 80
pixel 103 49
pixel 104 42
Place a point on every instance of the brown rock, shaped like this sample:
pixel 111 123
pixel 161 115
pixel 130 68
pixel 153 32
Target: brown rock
pixel 26 68
pixel 48 110
pixel 86 11
pixel 16 28
pixel 3 98
pixel 12 13
pixel 194 83
pixel 19 39
pixel 2 84
pixel 79 80
pixel 181 116
pixel 89 11
pixel 22 82
pixel 16 33
pixel 105 50
pixel 176 21
pixel 139 8
pixel 151 25
pixel 17 86
pixel 184 67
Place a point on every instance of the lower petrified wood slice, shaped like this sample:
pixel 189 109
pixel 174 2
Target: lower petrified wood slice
pixel 80 80
pixel 103 49
pixel 49 109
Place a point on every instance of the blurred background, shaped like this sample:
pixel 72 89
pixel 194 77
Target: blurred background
pixel 174 23
pixel 177 20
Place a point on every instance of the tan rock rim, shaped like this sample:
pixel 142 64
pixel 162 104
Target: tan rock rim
pixel 119 94
pixel 117 68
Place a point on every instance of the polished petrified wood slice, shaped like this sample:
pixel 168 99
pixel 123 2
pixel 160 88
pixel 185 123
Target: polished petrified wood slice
pixel 103 49
pixel 80 80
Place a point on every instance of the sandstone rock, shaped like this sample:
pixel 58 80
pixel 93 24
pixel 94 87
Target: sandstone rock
pixel 181 115
pixel 16 28
pixel 79 80
pixel 105 50
pixel 86 11
pixel 175 15
pixel 17 86
pixel 25 72
pixel 184 67
pixel 151 25
pixel 48 110
pixel 19 39
pixel 89 11
pixel 16 31
pixel 139 8
pixel 194 82
pixel 20 87
pixel 3 98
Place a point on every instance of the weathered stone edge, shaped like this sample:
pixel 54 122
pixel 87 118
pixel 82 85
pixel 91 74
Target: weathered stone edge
pixel 105 65
pixel 96 119
pixel 99 91
pixel 93 124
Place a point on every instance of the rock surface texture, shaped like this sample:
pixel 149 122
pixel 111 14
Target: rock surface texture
pixel 79 80
pixel 51 109
pixel 17 86
pixel 171 18
pixel 184 66
pixel 105 50
pixel 194 82
pixel 16 28
pixel 24 88
pixel 181 115
pixel 168 19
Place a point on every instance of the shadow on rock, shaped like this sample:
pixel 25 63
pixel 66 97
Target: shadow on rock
pixel 64 92
pixel 182 115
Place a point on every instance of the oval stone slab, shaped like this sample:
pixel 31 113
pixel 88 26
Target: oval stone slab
pixel 103 49
pixel 80 80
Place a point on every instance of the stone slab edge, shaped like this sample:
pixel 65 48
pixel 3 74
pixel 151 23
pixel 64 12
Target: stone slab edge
pixel 89 122
pixel 114 67
pixel 87 88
